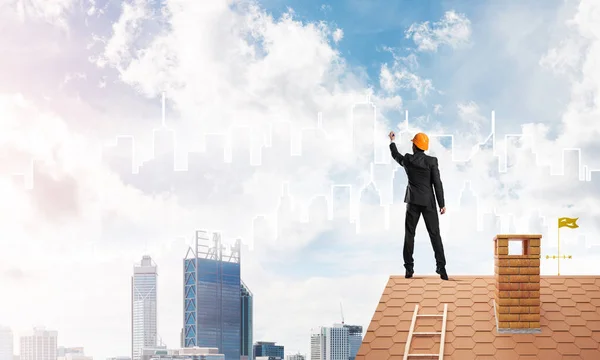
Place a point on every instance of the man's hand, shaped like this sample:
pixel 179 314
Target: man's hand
pixel 443 210
pixel 392 136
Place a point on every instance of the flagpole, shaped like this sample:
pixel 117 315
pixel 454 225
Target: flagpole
pixel 559 250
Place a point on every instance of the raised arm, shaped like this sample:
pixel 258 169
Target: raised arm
pixel 396 155
pixel 437 183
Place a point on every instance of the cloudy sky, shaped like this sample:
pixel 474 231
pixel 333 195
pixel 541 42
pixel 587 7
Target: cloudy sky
pixel 263 96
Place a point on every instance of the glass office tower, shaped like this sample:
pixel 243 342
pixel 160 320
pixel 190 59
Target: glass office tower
pixel 267 348
pixel 143 307
pixel 212 301
pixel 247 322
pixel 354 339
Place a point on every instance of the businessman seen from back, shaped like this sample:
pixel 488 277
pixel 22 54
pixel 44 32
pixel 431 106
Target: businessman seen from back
pixel 423 178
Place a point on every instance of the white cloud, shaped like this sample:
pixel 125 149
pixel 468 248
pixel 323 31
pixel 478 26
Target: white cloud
pixel 124 32
pixel 51 11
pixel 338 35
pixel 326 8
pixel 469 113
pixel 401 75
pixel 394 78
pixel 454 30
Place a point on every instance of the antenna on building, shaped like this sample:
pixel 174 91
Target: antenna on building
pixel 342 311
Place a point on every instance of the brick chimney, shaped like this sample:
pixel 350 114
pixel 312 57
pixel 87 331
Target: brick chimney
pixel 517 297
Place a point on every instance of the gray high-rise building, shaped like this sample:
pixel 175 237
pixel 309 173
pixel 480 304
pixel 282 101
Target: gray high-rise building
pixel 268 350
pixel 143 307
pixel 73 353
pixel 354 340
pixel 40 344
pixel 62 351
pixel 295 357
pixel 330 343
pixel 212 296
pixel 6 343
pixel 247 322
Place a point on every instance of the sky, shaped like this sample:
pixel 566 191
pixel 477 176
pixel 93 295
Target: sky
pixel 95 173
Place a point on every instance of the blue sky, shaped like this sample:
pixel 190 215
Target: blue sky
pixel 484 72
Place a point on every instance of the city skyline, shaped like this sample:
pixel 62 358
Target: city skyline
pixel 396 176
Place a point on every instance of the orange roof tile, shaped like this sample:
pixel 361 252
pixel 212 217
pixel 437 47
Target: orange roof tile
pixel 570 320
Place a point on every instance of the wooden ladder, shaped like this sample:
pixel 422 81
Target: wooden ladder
pixel 412 333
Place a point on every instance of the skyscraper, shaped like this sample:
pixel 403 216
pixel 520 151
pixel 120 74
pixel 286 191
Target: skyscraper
pixel 330 343
pixel 6 343
pixel 143 307
pixel 317 345
pixel 295 357
pixel 354 340
pixel 76 353
pixel 62 351
pixel 40 344
pixel 247 322
pixel 268 349
pixel 212 300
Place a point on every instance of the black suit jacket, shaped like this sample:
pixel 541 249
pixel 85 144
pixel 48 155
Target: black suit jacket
pixel 423 176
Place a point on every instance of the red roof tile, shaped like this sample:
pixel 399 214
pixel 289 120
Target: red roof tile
pixel 569 319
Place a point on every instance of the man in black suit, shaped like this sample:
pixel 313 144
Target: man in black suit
pixel 423 177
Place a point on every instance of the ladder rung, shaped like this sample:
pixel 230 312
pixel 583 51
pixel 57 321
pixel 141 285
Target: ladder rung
pixel 430 315
pixel 425 355
pixel 427 333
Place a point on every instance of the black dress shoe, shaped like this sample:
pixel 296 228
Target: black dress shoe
pixel 409 274
pixel 442 272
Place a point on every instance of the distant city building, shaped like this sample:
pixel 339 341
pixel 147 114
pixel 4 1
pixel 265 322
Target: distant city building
pixel 212 300
pixel 268 358
pixel 119 358
pixel 75 357
pixel 317 345
pixel 329 343
pixel 268 349
pixel 74 353
pixel 148 353
pixel 191 353
pixel 6 343
pixel 143 307
pixel 40 344
pixel 355 337
pixel 295 357
pixel 61 351
pixel 247 323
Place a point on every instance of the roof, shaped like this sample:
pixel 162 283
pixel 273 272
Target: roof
pixel 570 320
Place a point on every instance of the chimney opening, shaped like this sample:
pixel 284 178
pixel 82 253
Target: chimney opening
pixel 515 248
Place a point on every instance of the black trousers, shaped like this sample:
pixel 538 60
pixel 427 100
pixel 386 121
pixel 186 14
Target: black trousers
pixel 432 223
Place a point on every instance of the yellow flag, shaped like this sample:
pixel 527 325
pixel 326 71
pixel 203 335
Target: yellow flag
pixel 568 222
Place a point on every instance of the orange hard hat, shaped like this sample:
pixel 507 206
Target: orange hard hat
pixel 421 141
